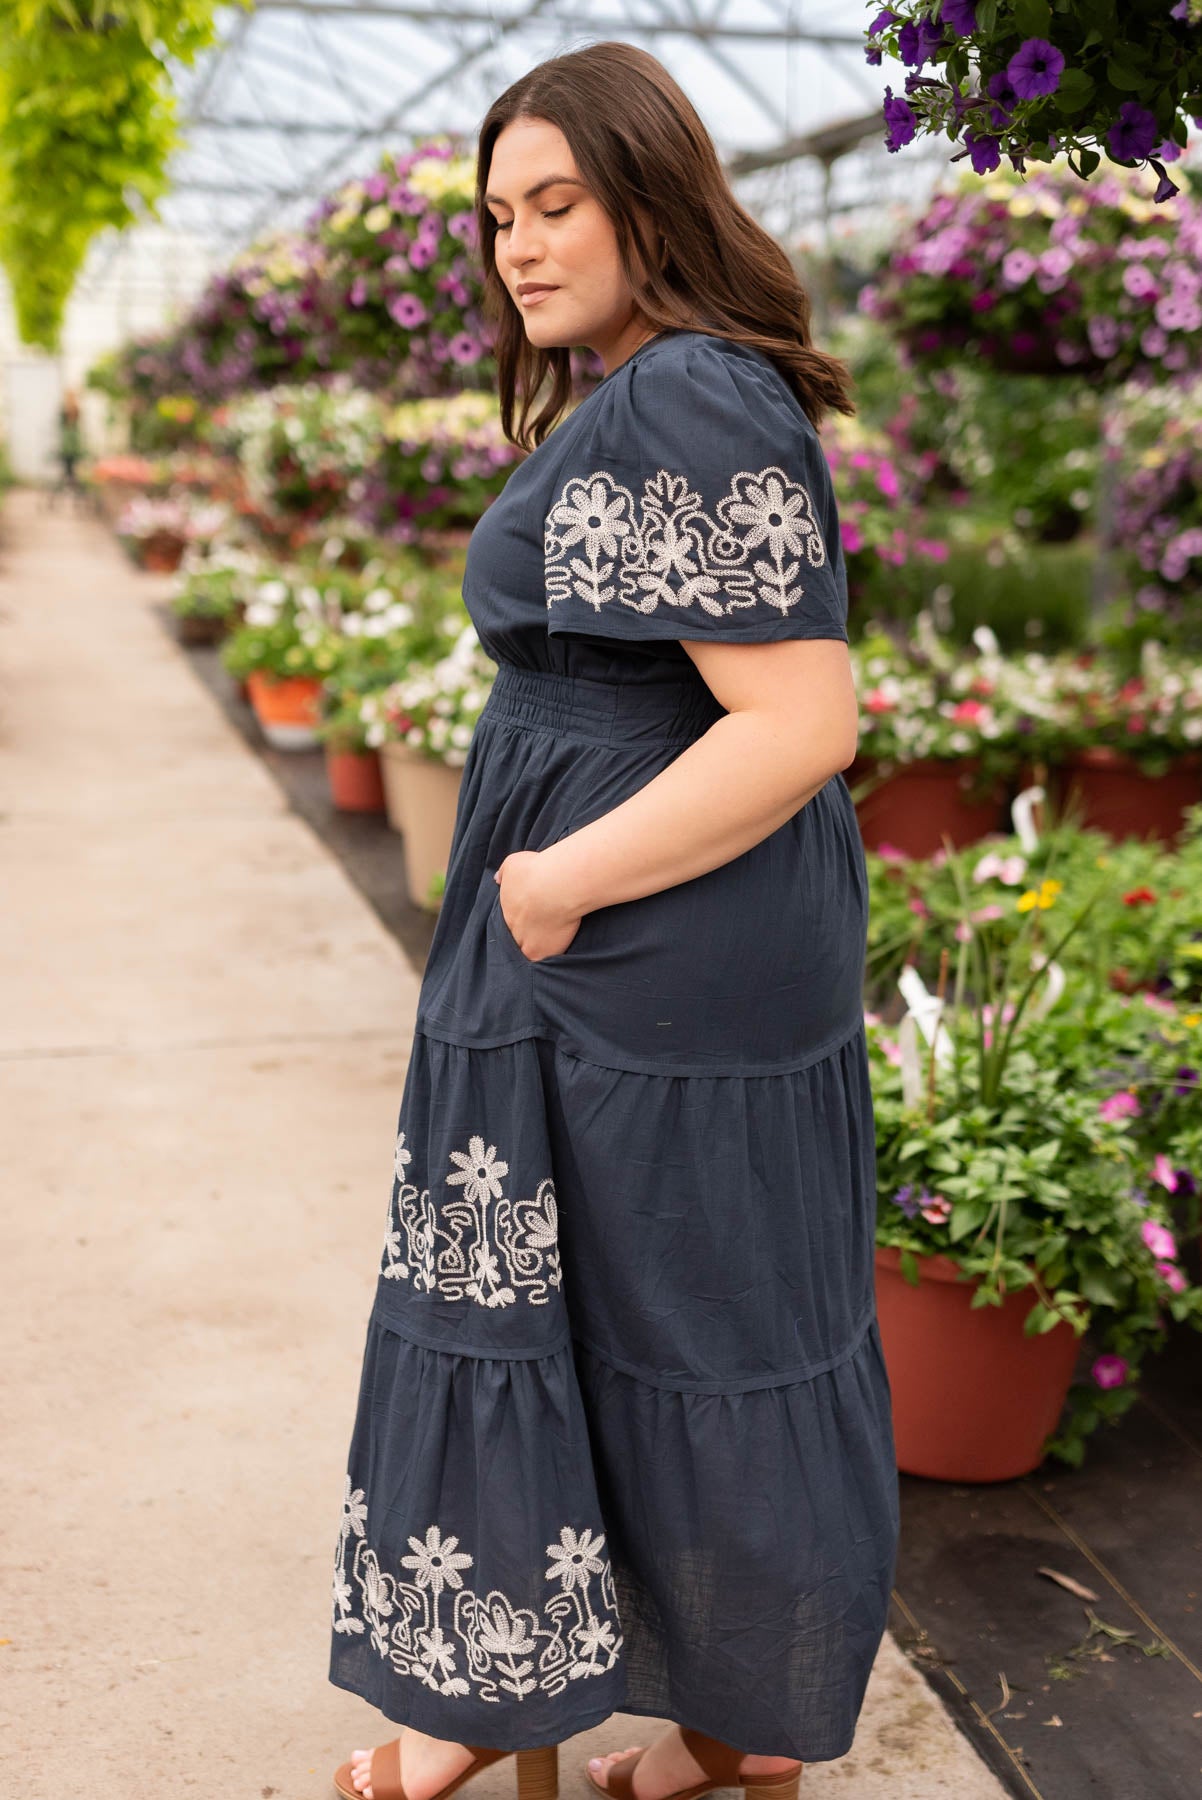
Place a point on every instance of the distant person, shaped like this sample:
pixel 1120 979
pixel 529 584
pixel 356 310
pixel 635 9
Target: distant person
pixel 70 446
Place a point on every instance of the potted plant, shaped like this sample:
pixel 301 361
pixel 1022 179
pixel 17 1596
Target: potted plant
pixel 936 750
pixel 283 650
pixel 1129 749
pixel 1015 1215
pixel 423 725
pixel 156 532
pixel 210 592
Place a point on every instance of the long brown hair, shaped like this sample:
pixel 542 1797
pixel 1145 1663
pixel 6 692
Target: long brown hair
pixel 642 149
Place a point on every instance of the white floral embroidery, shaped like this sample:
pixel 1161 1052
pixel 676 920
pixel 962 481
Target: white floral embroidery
pixel 670 549
pixel 435 1253
pixel 505 1649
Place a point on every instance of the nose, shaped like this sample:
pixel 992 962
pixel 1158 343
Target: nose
pixel 520 247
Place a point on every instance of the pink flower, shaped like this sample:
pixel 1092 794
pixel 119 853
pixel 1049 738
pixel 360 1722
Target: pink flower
pixel 1172 1276
pixel 853 537
pixel 1008 869
pixel 920 907
pixel 891 853
pixel 1158 1238
pixel 984 913
pixel 1109 1371
pixel 1164 1172
pixel 968 710
pixel 1123 1105
pixel 937 1210
pixel 891 1050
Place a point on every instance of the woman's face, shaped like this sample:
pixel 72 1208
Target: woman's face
pixel 554 234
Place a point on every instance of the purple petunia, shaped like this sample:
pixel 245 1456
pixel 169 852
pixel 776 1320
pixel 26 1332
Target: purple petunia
pixel 916 43
pixel 1035 69
pixel 1134 133
pixel 961 15
pixel 1166 187
pixel 407 310
pixel 985 152
pixel 888 17
pixel 904 1198
pixel 900 120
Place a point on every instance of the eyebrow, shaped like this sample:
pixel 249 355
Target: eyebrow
pixel 546 182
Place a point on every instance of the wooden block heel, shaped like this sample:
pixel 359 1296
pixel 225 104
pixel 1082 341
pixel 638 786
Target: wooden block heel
pixel 538 1772
pixel 774 1787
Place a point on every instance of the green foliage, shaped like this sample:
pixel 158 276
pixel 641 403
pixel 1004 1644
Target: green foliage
pixel 87 124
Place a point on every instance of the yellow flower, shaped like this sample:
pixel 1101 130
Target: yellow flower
pixel 377 218
pixel 1028 900
pixel 1192 1019
pixel 1049 886
pixel 1102 862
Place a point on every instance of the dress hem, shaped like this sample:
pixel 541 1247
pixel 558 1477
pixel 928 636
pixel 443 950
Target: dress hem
pixel 679 1716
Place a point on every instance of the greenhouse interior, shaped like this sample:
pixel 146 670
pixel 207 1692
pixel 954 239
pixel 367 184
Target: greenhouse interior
pixel 259 343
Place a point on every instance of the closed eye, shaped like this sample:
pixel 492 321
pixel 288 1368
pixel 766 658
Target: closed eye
pixel 557 214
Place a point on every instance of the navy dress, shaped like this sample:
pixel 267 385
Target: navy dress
pixel 623 1438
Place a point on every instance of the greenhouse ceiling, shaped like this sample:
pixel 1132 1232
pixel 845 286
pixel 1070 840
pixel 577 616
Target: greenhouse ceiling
pixel 302 93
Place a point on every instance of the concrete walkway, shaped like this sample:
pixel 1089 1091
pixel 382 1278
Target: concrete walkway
pixel 202 1048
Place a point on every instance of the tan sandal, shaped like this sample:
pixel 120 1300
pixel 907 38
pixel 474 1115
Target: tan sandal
pixel 721 1765
pixel 537 1773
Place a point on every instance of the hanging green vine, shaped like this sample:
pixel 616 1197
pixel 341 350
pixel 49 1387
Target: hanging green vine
pixel 87 125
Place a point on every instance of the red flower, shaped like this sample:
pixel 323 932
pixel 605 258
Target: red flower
pixel 1140 896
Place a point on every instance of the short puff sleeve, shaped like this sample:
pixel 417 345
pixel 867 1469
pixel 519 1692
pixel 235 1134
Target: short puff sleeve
pixel 699 505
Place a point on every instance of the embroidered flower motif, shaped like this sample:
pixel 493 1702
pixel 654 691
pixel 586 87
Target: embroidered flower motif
pixel 479 1171
pixel 574 1558
pixel 434 1624
pixel 777 514
pixel 437 1563
pixel 601 544
pixel 484 1246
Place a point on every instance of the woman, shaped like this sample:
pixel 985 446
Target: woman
pixel 623 1440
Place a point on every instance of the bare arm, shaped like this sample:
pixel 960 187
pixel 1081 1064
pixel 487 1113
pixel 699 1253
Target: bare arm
pixel 791 723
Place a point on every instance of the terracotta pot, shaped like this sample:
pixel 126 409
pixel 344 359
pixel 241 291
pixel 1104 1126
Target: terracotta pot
pixel 356 784
pixel 973 1399
pixel 422 796
pixel 161 554
pixel 287 710
pixel 919 801
pixel 395 758
pixel 200 628
pixel 1114 794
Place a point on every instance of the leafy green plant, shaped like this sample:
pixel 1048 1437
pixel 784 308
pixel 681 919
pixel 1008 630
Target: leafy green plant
pixel 87 124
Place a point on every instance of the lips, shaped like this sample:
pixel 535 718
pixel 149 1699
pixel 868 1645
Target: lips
pixel 530 293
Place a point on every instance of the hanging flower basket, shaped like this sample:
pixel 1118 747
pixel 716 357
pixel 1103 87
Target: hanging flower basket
pixel 287 710
pixel 973 1398
pixel 915 803
pixel 1118 797
pixel 356 783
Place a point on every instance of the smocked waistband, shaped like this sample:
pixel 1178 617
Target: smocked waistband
pixel 604 712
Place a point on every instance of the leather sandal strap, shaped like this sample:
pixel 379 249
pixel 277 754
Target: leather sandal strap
pixel 386 1772
pixel 718 1761
pixel 620 1779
